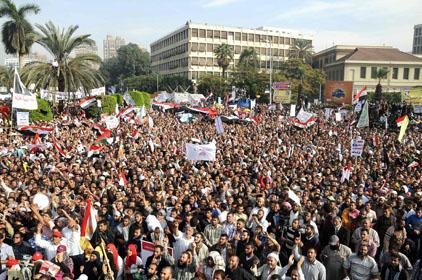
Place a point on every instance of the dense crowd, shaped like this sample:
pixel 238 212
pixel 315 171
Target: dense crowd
pixel 273 205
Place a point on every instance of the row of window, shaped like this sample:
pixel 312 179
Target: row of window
pixel 394 73
pixel 183 62
pixel 418 32
pixel 417 49
pixel 417 41
pixel 171 40
pixel 209 61
pixel 240 36
pixel 171 52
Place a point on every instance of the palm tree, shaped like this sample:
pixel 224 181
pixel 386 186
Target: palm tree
pixel 66 73
pixel 6 77
pixel 224 54
pixel 380 75
pixel 17 33
pixel 302 49
pixel 248 59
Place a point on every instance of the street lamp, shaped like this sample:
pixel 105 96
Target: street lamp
pixel 271 68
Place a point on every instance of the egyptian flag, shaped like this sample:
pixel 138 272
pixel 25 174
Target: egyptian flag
pixel 36 129
pixel 360 94
pixel 402 122
pixel 134 134
pixel 346 173
pixel 59 149
pixel 105 137
pixel 89 223
pixel 5 111
pixel 87 102
pixel 94 150
pixel 122 179
pixel 125 111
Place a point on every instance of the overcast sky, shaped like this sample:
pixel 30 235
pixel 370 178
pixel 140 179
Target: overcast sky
pixel 366 22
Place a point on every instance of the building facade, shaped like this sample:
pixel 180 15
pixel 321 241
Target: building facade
pixel 189 50
pixel 12 60
pixel 417 40
pixel 361 64
pixel 111 45
pixel 85 49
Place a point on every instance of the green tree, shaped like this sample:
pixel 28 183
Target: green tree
pixel 17 32
pixel 6 76
pixel 66 74
pixel 224 55
pixel 141 98
pixel 216 84
pixel 301 49
pixel 381 74
pixel 130 61
pixel 146 83
pixel 248 59
pixel 43 113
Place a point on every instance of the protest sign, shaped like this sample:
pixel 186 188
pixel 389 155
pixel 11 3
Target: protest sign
pixel 356 148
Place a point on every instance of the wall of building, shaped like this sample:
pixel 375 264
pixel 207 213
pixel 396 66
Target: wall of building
pixel 352 72
pixel 417 39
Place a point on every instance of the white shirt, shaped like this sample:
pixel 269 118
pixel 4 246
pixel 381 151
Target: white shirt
pixel 6 251
pixel 73 238
pixel 181 245
pixel 48 246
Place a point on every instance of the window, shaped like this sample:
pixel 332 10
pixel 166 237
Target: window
pixel 202 47
pixel 194 47
pixel 373 72
pixel 216 33
pixel 202 33
pixel 406 73
pixel 237 49
pixel 244 36
pixel 363 72
pixel 209 47
pixel 417 73
pixel 250 37
pixel 223 34
pixel 237 36
pixel 395 73
pixel 194 32
pixel 209 34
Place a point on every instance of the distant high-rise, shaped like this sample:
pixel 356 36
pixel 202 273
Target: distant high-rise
pixel 85 49
pixel 111 45
pixel 417 39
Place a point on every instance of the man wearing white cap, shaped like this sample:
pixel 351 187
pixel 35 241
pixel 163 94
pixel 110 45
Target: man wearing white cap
pixel 272 267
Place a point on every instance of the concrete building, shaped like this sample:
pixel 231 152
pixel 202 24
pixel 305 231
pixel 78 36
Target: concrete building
pixel 85 49
pixel 360 66
pixel 189 50
pixel 111 45
pixel 417 40
pixel 13 60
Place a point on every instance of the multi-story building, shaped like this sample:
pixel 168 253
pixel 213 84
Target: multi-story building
pixel 12 60
pixel 417 40
pixel 111 45
pixel 189 50
pixel 361 64
pixel 85 49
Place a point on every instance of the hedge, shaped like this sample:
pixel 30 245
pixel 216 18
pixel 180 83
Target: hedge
pixel 119 98
pixel 43 113
pixel 141 98
pixel 108 104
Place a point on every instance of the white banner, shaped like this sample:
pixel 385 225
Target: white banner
pixel 338 117
pixel 111 122
pixel 304 116
pixel 24 101
pixel 292 110
pixel 97 91
pixel 356 148
pixel 22 119
pixel 204 152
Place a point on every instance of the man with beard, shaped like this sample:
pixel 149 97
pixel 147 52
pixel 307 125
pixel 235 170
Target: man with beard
pixel 20 247
pixel 152 273
pixel 102 233
pixel 223 247
pixel 361 266
pixel 186 265
pixel 393 270
pixel 158 259
pixel 333 257
pixel 235 272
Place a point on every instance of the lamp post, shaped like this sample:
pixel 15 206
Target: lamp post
pixel 271 68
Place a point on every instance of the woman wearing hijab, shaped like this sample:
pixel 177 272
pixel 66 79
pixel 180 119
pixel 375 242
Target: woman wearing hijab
pixel 133 263
pixel 116 261
pixel 93 268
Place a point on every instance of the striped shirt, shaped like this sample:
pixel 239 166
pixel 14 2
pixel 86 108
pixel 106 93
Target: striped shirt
pixel 361 269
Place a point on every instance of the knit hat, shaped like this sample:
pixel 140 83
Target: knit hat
pixel 275 256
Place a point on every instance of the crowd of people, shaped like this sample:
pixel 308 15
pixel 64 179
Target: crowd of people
pixel 273 205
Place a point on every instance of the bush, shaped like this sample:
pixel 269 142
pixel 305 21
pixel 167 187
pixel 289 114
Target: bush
pixel 390 97
pixel 93 112
pixel 119 98
pixel 108 104
pixel 141 98
pixel 43 113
